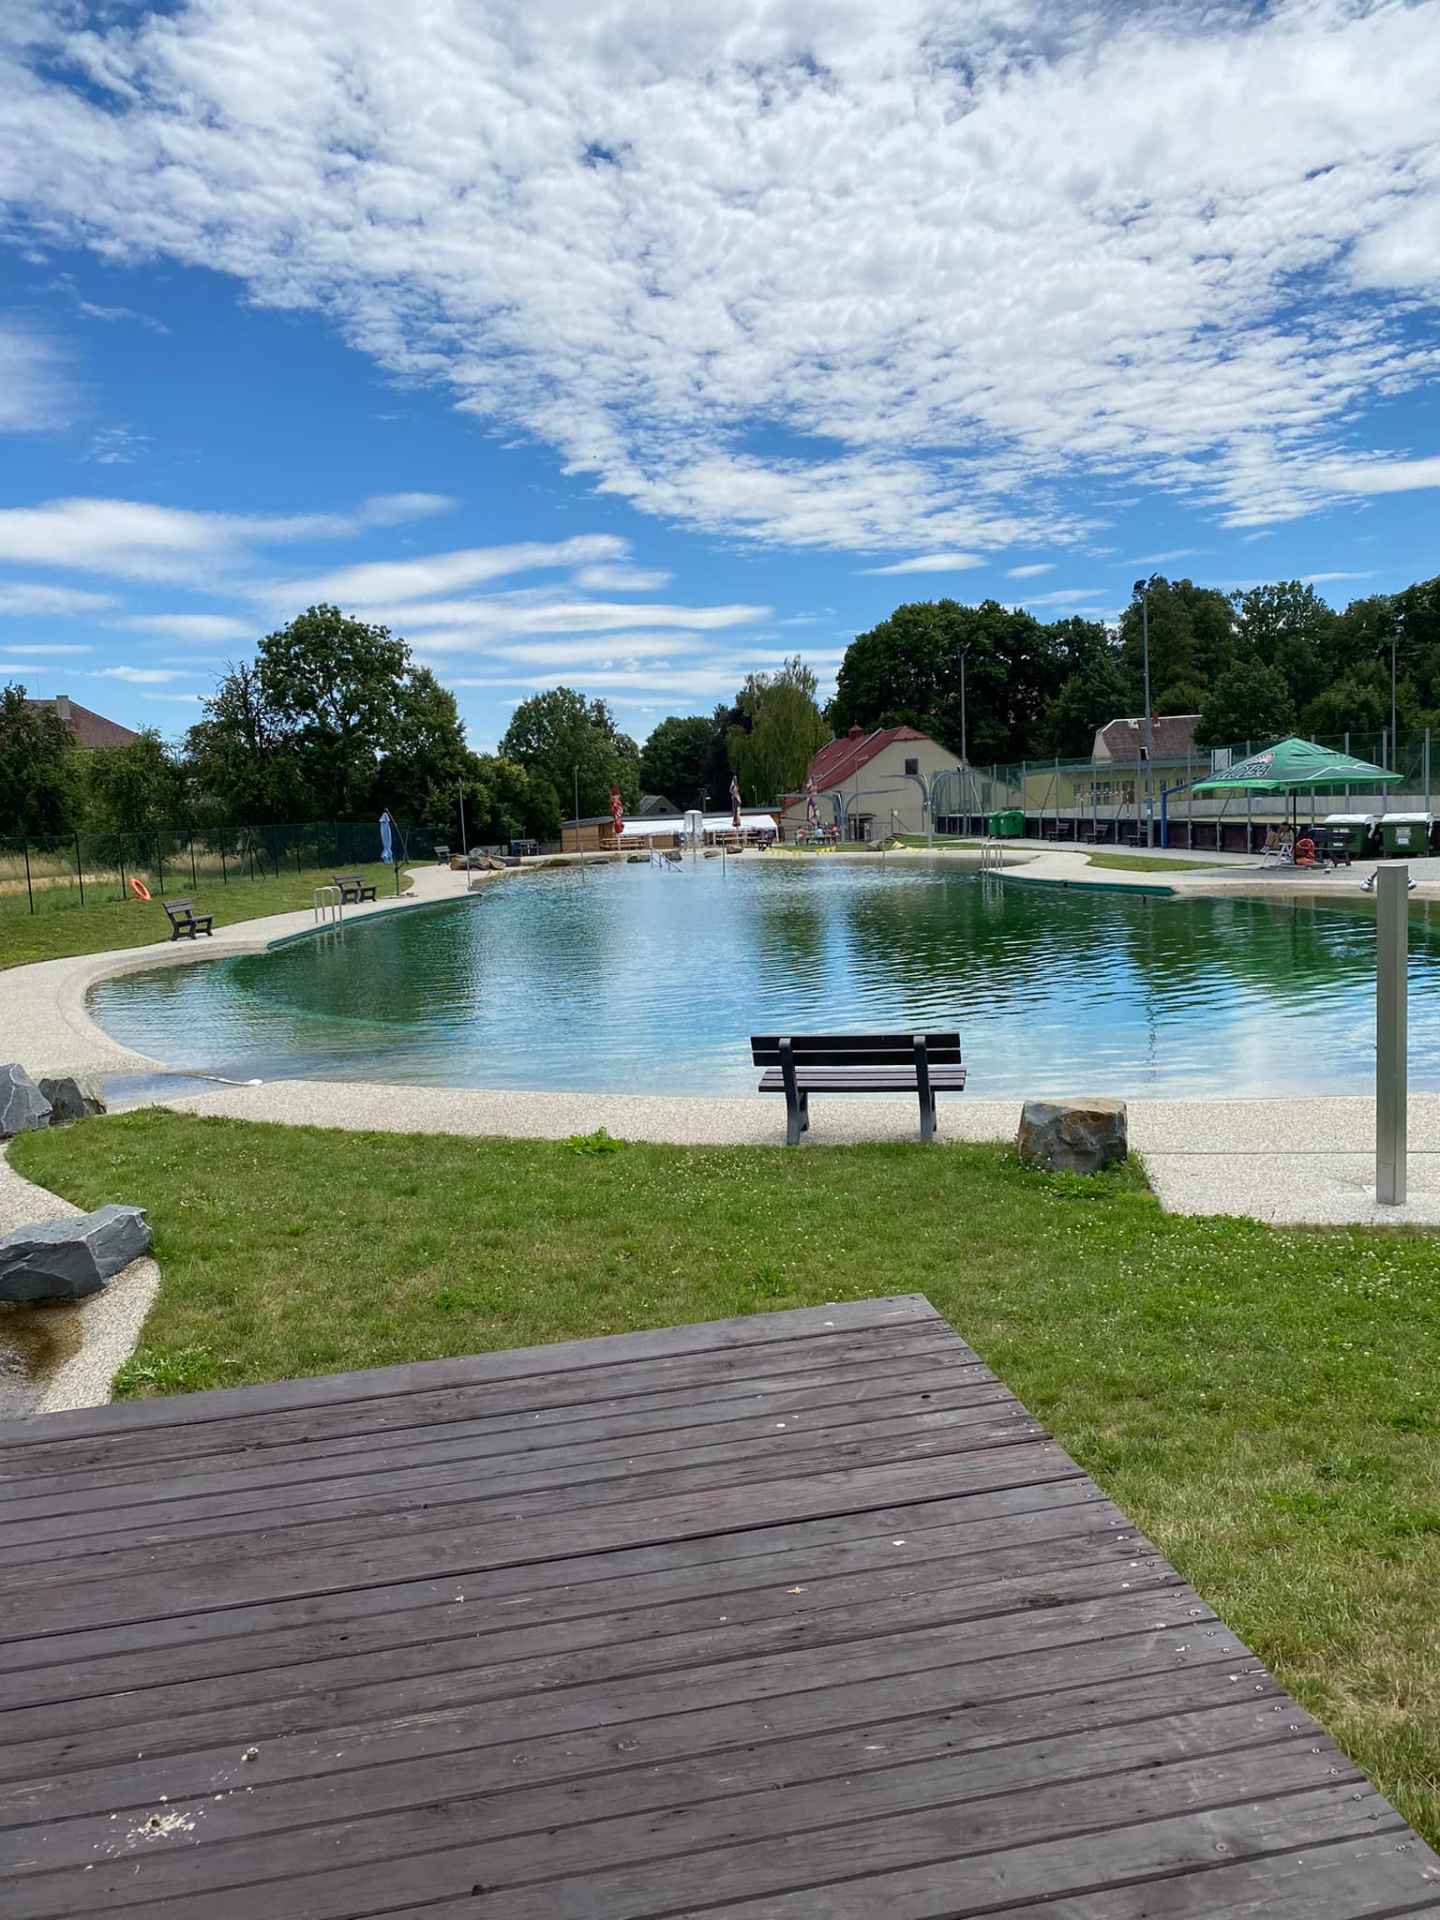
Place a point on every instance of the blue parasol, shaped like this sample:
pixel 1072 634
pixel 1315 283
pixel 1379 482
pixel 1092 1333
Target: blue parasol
pixel 387 851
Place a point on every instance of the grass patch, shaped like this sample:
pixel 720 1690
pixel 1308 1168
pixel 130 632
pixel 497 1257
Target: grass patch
pixel 1264 1402
pixel 57 933
pixel 1144 863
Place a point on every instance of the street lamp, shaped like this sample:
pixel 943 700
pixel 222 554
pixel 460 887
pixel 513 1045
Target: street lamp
pixel 1142 587
pixel 964 745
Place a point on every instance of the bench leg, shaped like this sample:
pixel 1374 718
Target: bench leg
pixel 797 1119
pixel 927 1119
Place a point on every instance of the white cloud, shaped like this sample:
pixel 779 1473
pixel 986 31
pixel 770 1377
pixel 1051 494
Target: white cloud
pixel 134 539
pixel 932 563
pixel 188 626
pixel 377 582
pixel 1072 597
pixel 30 598
pixel 138 676
pixel 183 699
pixel 116 447
pixel 611 579
pixel 962 253
pixel 36 391
pixel 1031 572
pixel 1384 476
pixel 47 652
pixel 1319 579
pixel 459 626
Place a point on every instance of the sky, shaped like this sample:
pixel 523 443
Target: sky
pixel 636 344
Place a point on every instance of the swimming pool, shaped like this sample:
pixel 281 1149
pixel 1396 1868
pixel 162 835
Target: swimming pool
pixel 650 979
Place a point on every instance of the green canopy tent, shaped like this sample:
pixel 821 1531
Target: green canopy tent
pixel 1297 766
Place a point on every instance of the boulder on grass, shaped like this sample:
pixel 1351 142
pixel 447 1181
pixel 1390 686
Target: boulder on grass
pixel 72 1098
pixel 68 1259
pixel 1073 1136
pixel 23 1107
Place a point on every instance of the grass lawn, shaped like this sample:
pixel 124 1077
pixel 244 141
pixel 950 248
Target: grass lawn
pixel 57 932
pixel 1144 863
pixel 1265 1403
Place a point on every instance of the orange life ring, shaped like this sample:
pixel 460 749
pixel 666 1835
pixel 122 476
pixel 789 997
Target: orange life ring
pixel 139 888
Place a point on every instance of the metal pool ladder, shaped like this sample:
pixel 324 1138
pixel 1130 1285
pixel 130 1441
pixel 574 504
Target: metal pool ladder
pixel 327 905
pixel 992 856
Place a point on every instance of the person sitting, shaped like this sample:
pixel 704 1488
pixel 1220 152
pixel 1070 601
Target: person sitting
pixel 1305 851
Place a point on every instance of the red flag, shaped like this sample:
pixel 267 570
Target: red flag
pixel 617 811
pixel 735 801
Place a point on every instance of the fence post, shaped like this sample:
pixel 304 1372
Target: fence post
pixel 1392 956
pixel 29 890
pixel 252 856
pixel 194 881
pixel 160 863
pixel 1427 782
pixel 123 888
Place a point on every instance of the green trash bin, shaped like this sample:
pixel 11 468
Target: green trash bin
pixel 1009 824
pixel 1405 835
pixel 1355 828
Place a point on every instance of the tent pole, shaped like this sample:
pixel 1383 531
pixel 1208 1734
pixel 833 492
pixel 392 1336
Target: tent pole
pixel 1392 928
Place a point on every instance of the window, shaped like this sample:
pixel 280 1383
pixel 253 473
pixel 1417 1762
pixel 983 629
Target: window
pixel 912 766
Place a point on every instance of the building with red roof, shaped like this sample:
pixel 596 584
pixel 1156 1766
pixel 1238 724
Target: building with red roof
pixel 870 785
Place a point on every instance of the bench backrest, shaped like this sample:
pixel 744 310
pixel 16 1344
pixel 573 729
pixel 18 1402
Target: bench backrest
pixel 179 909
pixel 347 879
pixel 855 1049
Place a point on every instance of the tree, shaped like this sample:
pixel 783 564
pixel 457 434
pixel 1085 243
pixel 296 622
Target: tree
pixel 1192 634
pixel 1288 626
pixel 674 761
pixel 137 787
pixel 244 756
pixel 1358 703
pixel 335 682
pixel 39 793
pixel 1249 701
pixel 1088 698
pixel 557 734
pixel 786 731
pixel 425 753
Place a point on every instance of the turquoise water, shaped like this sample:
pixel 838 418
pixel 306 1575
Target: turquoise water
pixel 645 979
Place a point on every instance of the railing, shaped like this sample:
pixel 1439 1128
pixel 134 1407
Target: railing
pixel 41 874
pixel 992 856
pixel 328 903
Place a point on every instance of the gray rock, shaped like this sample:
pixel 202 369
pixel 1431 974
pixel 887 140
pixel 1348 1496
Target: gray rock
pixel 68 1259
pixel 72 1098
pixel 23 1107
pixel 1073 1136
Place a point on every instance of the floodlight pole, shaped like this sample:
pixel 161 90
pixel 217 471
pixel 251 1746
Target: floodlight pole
pixel 1392 954
pixel 579 843
pixel 1143 588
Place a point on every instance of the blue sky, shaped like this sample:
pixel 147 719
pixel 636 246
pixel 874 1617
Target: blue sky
pixel 637 347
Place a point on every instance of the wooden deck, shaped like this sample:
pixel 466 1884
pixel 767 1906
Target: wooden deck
pixel 794 1616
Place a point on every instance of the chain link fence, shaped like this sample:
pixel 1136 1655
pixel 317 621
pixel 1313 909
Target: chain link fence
pixel 49 874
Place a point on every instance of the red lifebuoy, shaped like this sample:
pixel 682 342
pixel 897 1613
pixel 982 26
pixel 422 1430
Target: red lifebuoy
pixel 139 889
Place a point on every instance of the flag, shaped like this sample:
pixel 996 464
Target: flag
pixel 735 801
pixel 812 806
pixel 617 811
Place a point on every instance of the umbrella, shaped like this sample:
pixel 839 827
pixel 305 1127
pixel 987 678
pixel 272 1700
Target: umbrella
pixel 1293 766
pixel 617 811
pixel 387 851
pixel 735 801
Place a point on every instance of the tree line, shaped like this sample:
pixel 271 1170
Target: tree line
pixel 1254 665
pixel 334 720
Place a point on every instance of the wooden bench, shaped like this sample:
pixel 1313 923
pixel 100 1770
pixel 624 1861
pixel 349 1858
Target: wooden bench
pixel 185 920
pixel 353 889
pixel 442 855
pixel 799 1064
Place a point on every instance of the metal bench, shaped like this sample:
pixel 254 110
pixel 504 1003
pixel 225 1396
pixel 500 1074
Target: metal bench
pixel 800 1064
pixel 354 890
pixel 184 919
pixel 442 855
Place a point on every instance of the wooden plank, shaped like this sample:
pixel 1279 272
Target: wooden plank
pixel 770 1841
pixel 706 1376
pixel 792 1584
pixel 973 1528
pixel 599 1728
pixel 721 1337
pixel 924 1714
pixel 649 1420
pixel 534 1526
pixel 754 1444
pixel 1147 1869
pixel 565 1653
pixel 326 1869
pixel 886 1637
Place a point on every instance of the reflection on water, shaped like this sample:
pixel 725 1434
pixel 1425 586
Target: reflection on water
pixel 648 979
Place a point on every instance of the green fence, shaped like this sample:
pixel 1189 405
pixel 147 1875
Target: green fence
pixel 42 875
